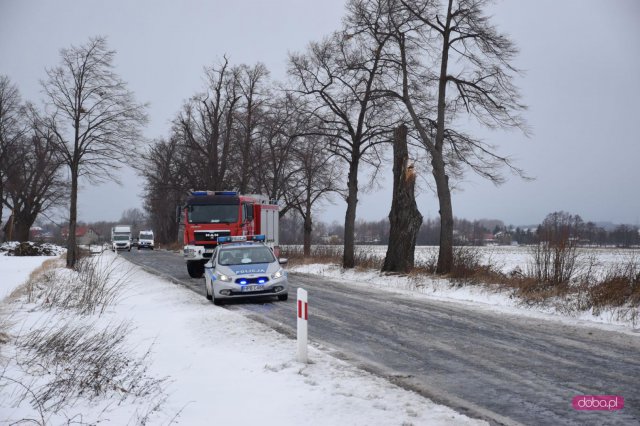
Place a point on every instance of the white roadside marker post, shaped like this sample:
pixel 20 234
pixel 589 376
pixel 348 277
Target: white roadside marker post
pixel 303 317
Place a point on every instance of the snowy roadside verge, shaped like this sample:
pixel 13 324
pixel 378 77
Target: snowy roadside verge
pixel 220 367
pixel 477 296
pixel 14 271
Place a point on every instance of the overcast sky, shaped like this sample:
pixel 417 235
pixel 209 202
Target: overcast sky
pixel 581 57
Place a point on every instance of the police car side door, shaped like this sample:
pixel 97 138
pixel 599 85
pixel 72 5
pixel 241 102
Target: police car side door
pixel 210 270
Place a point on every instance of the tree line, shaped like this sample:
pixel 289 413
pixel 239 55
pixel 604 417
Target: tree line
pixel 476 232
pixel 428 66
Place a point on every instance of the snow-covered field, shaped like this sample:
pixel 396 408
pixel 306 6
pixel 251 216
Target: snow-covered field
pixel 507 258
pixel 220 367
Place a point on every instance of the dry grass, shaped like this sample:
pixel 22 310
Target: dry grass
pixel 174 246
pixel 95 284
pixel 319 254
pixel 83 361
pixel 364 259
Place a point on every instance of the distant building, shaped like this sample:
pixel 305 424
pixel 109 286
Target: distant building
pixel 488 239
pixel 35 233
pixel 84 235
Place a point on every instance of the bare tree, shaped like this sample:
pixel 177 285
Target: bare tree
pixel 96 121
pixel 448 60
pixel 205 128
pixel 34 180
pixel 338 77
pixel 164 188
pixel 254 95
pixel 282 126
pixel 134 217
pixel 12 127
pixel 475 62
pixel 315 178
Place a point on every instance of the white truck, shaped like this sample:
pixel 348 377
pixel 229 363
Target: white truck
pixel 145 240
pixel 121 238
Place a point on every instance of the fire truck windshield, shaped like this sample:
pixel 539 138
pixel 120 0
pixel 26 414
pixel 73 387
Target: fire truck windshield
pixel 216 213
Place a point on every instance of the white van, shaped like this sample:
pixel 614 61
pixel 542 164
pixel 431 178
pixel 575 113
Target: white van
pixel 145 240
pixel 121 237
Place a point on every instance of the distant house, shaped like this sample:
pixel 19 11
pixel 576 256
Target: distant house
pixel 503 238
pixel 35 233
pixel 84 235
pixel 330 239
pixel 489 239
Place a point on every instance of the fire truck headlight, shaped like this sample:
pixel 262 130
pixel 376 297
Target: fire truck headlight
pixel 278 274
pixel 224 278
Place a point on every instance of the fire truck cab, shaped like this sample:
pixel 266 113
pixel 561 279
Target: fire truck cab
pixel 207 215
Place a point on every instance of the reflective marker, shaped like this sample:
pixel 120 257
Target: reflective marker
pixel 303 316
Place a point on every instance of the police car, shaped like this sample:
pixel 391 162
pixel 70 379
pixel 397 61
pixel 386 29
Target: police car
pixel 244 267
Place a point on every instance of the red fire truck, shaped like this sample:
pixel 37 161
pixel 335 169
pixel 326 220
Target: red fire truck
pixel 207 215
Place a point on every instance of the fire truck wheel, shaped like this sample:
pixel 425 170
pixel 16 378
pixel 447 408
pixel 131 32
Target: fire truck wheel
pixel 283 297
pixel 195 269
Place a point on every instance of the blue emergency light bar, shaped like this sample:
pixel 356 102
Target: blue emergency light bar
pixel 203 193
pixel 240 238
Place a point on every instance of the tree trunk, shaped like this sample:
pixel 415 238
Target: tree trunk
pixel 4 236
pixel 404 218
pixel 22 226
pixel 445 254
pixel 308 227
pixel 72 249
pixel 8 229
pixel 348 258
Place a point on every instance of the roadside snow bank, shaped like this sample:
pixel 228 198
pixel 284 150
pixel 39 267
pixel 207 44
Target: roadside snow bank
pixel 28 248
pixel 221 368
pixel 480 296
pixel 14 271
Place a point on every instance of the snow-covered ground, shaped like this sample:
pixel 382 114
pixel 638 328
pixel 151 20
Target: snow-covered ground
pixel 14 271
pixel 221 367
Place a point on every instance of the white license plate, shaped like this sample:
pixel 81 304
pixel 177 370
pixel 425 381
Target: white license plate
pixel 253 288
pixel 208 250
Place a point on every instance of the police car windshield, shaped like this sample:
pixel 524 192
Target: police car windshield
pixel 217 213
pixel 245 255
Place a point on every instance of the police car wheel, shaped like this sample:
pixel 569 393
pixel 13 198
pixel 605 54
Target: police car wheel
pixel 195 269
pixel 206 290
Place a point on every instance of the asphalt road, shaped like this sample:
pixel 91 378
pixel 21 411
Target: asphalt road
pixel 502 368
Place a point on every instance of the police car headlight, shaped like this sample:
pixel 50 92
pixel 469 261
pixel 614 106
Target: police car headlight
pixel 278 274
pixel 224 278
